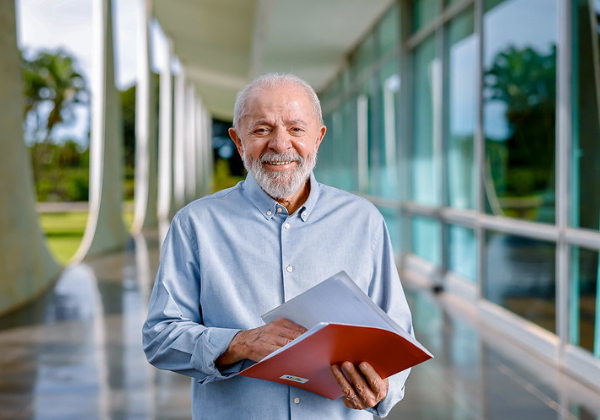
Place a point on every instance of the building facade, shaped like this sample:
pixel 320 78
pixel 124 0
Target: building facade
pixel 474 126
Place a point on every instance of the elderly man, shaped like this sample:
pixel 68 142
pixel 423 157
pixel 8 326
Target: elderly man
pixel 234 255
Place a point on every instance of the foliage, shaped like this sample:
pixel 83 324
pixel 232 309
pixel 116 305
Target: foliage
pixel 525 81
pixel 51 79
pixel 64 174
pixel 223 177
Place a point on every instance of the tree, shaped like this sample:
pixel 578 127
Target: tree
pixel 52 85
pixel 51 78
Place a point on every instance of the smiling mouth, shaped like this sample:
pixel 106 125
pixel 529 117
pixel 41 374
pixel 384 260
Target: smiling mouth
pixel 279 162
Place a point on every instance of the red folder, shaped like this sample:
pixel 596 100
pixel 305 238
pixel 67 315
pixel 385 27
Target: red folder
pixel 306 362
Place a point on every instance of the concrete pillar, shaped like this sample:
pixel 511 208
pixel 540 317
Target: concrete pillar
pixel 26 266
pixel 209 152
pixel 190 146
pixel 179 145
pixel 200 137
pixel 146 156
pixel 105 230
pixel 165 146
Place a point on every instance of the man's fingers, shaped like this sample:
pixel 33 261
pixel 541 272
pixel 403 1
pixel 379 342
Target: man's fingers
pixel 378 385
pixel 348 390
pixel 287 324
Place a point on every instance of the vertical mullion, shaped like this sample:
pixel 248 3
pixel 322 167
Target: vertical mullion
pixel 479 150
pixel 563 147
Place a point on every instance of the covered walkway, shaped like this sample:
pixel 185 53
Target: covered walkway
pixel 76 354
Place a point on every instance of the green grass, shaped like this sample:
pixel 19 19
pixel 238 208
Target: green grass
pixel 64 231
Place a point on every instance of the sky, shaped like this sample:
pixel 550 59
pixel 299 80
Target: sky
pixel 67 25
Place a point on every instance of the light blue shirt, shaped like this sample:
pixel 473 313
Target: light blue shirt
pixel 229 258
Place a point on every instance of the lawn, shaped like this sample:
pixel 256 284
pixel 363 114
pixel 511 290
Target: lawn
pixel 65 230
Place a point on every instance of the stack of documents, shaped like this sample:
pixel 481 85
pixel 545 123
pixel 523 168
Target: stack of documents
pixel 343 324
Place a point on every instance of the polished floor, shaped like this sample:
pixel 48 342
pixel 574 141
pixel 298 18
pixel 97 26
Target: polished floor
pixel 76 354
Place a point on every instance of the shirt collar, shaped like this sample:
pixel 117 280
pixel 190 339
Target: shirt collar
pixel 268 207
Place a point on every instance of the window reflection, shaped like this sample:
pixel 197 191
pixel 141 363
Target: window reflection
pixel 461 106
pixel 519 108
pixel 462 252
pixel 426 235
pixel 586 114
pixel 426 69
pixel 584 326
pixel 387 167
pixel 520 276
pixel 423 12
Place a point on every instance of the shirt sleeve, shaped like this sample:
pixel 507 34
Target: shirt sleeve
pixel 173 335
pixel 386 290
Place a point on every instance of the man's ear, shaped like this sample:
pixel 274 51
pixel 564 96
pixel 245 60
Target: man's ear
pixel 320 136
pixel 237 140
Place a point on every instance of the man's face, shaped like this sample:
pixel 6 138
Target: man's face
pixel 278 139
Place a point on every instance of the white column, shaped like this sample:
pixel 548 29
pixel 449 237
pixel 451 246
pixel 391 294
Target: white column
pixel 26 266
pixel 105 230
pixel 145 200
pixel 200 136
pixel 165 163
pixel 179 146
pixel 190 145
pixel 209 152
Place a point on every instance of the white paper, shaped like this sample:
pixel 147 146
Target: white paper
pixel 335 300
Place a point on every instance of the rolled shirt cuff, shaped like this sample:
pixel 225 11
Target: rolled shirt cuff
pixel 211 344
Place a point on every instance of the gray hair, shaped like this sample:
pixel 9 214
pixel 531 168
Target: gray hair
pixel 271 81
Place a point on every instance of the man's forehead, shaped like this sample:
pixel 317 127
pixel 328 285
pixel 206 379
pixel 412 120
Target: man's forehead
pixel 289 102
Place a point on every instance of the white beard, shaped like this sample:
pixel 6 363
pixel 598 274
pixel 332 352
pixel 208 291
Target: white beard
pixel 280 184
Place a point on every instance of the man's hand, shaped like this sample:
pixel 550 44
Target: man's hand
pixel 259 342
pixel 365 388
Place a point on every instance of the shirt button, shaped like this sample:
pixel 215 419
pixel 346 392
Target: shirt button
pixel 289 269
pixel 269 213
pixel 287 226
pixel 279 209
pixel 297 400
pixel 303 215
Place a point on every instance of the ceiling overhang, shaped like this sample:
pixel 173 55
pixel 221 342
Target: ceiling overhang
pixel 223 44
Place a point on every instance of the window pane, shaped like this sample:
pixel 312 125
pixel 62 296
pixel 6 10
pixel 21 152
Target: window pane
pixel 462 252
pixel 426 239
pixel 584 317
pixel 389 31
pixel 519 108
pixel 365 55
pixel 423 12
pixel 389 90
pixel 426 67
pixel 586 114
pixel 520 276
pixel 462 110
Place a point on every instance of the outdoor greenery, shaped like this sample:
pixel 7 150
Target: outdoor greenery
pixel 65 230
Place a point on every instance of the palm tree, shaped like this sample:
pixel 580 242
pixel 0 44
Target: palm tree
pixel 52 81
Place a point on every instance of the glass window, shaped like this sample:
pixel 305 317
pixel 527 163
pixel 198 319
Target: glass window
pixel 520 276
pixel 389 31
pixel 364 57
pixel 366 149
pixel 584 312
pixel 423 12
pixel 389 91
pixel 426 72
pixel 462 252
pixel 426 235
pixel 519 108
pixel 586 113
pixel 461 106
pixel 347 145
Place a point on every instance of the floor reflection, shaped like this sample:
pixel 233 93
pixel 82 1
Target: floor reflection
pixel 76 354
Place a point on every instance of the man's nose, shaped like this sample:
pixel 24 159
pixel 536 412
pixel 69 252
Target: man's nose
pixel 280 142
